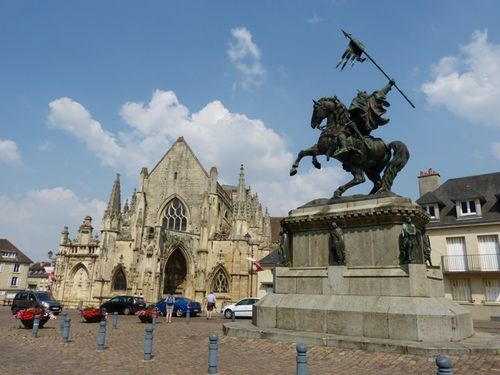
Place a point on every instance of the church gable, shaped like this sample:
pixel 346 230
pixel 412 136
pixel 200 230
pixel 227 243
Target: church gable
pixel 179 173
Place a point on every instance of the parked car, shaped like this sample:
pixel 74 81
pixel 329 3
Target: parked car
pixel 242 308
pixel 180 307
pixel 125 305
pixel 28 298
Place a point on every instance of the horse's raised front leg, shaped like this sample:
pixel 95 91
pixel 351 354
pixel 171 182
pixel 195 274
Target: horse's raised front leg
pixel 311 151
pixel 358 178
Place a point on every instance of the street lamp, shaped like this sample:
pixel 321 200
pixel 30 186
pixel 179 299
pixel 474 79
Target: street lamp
pixel 248 240
pixel 50 275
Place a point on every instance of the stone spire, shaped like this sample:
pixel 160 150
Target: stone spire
pixel 241 196
pixel 112 214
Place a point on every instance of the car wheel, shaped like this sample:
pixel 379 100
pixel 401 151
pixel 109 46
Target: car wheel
pixel 126 311
pixel 15 310
pixel 228 314
pixel 178 312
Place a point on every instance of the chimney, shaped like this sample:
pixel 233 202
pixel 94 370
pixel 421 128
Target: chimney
pixel 428 181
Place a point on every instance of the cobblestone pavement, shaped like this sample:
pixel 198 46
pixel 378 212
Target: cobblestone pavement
pixel 182 349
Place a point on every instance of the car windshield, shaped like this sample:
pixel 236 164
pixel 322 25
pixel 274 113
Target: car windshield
pixel 139 300
pixel 44 296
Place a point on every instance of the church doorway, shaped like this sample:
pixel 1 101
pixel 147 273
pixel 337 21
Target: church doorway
pixel 175 274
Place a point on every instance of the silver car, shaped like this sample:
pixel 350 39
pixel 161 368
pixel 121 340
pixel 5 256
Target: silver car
pixel 242 308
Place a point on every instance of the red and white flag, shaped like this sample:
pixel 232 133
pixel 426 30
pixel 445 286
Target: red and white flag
pixel 256 263
pixel 50 273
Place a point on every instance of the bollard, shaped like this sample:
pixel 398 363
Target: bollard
pixel 153 320
pixel 36 324
pixel 233 315
pixel 66 329
pixel 444 365
pixel 114 320
pixel 148 344
pixel 188 316
pixel 212 353
pixel 301 359
pixel 101 336
pixel 61 326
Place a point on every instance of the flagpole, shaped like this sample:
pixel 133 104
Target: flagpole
pixel 347 35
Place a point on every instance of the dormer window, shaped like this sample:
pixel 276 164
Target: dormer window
pixel 470 207
pixel 432 210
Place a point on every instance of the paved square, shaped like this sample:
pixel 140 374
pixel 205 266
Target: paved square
pixel 182 349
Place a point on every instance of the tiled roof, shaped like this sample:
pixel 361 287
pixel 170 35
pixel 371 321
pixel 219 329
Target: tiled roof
pixel 38 269
pixel 483 187
pixel 270 260
pixel 6 245
pixel 429 197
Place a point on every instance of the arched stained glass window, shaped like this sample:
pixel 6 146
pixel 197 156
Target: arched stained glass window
pixel 221 284
pixel 120 282
pixel 175 216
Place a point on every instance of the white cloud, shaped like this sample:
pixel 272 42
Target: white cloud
pixel 245 57
pixel 468 84
pixel 217 136
pixel 36 221
pixel 9 153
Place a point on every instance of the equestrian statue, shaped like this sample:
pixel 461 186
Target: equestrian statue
pixel 346 136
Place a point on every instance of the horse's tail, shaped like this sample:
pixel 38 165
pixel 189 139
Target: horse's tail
pixel 400 156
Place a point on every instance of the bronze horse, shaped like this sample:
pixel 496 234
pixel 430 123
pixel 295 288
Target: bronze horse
pixel 359 154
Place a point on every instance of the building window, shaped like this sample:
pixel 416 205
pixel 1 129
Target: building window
pixel 489 253
pixel 468 208
pixel 175 216
pixel 120 282
pixel 457 254
pixel 16 267
pixel 1 267
pixel 460 290
pixel 492 290
pixel 220 283
pixel 8 254
pixel 432 210
pixel 14 281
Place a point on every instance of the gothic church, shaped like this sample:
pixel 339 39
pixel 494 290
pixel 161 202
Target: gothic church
pixel 181 232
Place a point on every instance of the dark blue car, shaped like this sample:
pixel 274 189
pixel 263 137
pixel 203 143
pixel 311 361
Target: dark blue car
pixel 180 307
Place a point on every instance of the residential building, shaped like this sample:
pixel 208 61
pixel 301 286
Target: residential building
pixel 464 230
pixel 14 266
pixel 38 278
pixel 181 232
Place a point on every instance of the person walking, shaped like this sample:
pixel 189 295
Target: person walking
pixel 170 307
pixel 211 300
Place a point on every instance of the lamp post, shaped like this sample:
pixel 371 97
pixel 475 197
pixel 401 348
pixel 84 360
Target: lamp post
pixel 50 275
pixel 248 240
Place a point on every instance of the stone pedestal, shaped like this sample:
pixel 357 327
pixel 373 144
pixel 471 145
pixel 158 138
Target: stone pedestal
pixel 373 295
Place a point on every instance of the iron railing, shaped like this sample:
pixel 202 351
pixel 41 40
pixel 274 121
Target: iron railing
pixel 471 263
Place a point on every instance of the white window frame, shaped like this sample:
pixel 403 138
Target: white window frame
pixel 491 290
pixel 16 268
pixel 456 251
pixel 17 280
pixel 461 213
pixel 460 290
pixel 427 208
pixel 489 252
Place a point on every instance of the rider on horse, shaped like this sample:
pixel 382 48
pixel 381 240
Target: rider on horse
pixel 365 113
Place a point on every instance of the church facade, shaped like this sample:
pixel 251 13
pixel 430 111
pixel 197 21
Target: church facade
pixel 181 232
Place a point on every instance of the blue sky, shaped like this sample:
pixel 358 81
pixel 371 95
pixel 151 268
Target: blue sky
pixel 90 89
